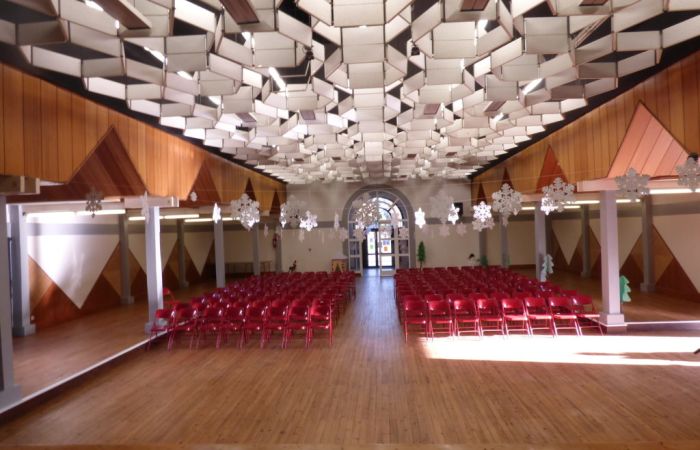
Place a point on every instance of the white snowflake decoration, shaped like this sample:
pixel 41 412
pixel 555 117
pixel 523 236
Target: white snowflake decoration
pixel 444 230
pixel 442 206
pixel 403 233
pixel 193 196
pixel 343 234
pixel 309 221
pixel 266 230
pixel 359 234
pixel 689 173
pixel 556 196
pixel 216 213
pixel 366 211
pixel 507 202
pixel 396 221
pixel 632 185
pixel 336 222
pixel 420 218
pixel 461 229
pixel 483 219
pixel 144 207
pixel 291 212
pixel 245 210
pixel 93 201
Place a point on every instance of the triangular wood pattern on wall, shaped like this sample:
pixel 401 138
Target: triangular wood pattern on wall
pixel 275 207
pixel 550 170
pixel 249 190
pixel 204 187
pixel 648 147
pixel 108 169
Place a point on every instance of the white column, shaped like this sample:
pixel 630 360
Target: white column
pixel 278 252
pixel 124 272
pixel 585 242
pixel 21 308
pixel 256 248
pixel 483 247
pixel 610 258
pixel 505 255
pixel 181 267
pixel 219 259
pixel 649 283
pixel 9 391
pixel 154 268
pixel 540 240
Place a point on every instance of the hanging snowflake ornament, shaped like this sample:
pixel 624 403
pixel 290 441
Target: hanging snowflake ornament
pixel 461 229
pixel 366 211
pixel 216 213
pixel 444 230
pixel 359 234
pixel 483 219
pixel 507 202
pixel 420 218
pixel 632 185
pixel 144 208
pixel 442 206
pixel 336 222
pixel 309 221
pixel 403 233
pixel 556 196
pixel 689 173
pixel 291 212
pixel 93 201
pixel 193 196
pixel 343 234
pixel 245 210
pixel 396 221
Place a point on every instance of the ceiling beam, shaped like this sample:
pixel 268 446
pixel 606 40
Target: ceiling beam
pixel 474 5
pixel 241 11
pixel 127 15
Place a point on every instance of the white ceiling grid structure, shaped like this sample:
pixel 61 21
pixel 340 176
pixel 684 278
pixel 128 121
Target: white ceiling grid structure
pixel 352 90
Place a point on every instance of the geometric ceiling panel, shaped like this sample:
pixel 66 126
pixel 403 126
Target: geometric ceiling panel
pixel 321 90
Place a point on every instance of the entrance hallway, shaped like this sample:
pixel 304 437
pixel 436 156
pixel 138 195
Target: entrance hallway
pixel 372 388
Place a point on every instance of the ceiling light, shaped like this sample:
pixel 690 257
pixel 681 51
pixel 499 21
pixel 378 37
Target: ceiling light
pixel 156 54
pixel 572 207
pixel 587 202
pixel 481 26
pixel 531 86
pixel 670 191
pixel 102 212
pixel 180 216
pixel 498 117
pixel 185 75
pixel 94 5
pixel 527 208
pixel 199 220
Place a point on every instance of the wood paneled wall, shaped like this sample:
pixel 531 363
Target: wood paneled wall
pixel 47 132
pixel 586 147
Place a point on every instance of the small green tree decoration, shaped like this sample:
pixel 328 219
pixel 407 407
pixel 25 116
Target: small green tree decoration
pixel 484 261
pixel 625 289
pixel 547 267
pixel 421 254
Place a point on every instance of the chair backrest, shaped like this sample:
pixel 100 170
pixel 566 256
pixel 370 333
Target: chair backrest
pixel 464 307
pixel 536 305
pixel 165 315
pixel 439 306
pixel 488 306
pixel 414 306
pixel 560 304
pixel 320 311
pixel 583 302
pixel 298 312
pixel 512 306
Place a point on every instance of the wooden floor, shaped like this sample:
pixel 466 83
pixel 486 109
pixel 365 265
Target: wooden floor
pixel 643 307
pixel 51 355
pixel 371 390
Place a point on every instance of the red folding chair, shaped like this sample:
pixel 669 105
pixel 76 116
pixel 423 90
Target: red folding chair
pixel 210 324
pixel 490 317
pixel 440 315
pixel 162 323
pixel 414 313
pixel 539 315
pixel 276 319
pixel 586 313
pixel 321 318
pixel 563 315
pixel 514 313
pixel 231 322
pixel 465 313
pixel 297 320
pixel 253 322
pixel 185 322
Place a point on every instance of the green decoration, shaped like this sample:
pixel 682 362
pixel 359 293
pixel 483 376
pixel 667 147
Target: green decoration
pixel 547 267
pixel 625 289
pixel 421 254
pixel 484 261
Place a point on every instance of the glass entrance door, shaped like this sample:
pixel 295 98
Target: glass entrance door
pixel 380 249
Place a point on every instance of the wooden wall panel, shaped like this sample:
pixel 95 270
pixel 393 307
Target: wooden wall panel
pixel 586 147
pixel 48 132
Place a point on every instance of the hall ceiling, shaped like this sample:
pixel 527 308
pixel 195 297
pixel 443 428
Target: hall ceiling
pixel 351 90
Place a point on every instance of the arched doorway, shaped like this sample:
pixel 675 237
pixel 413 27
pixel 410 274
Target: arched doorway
pixel 388 243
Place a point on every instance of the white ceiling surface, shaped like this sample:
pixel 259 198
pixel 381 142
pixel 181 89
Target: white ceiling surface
pixel 458 90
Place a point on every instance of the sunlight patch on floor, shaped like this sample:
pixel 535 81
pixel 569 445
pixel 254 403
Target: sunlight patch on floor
pixel 608 350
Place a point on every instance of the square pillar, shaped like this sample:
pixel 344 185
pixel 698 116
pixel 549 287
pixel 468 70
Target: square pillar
pixel 505 255
pixel 611 316
pixel 219 260
pixel 255 232
pixel 21 308
pixel 154 267
pixel 483 247
pixel 124 271
pixel 278 250
pixel 181 267
pixel 540 240
pixel 649 283
pixel 9 391
pixel 585 241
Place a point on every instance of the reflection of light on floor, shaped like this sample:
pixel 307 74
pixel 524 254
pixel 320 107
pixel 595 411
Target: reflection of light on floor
pixel 614 350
